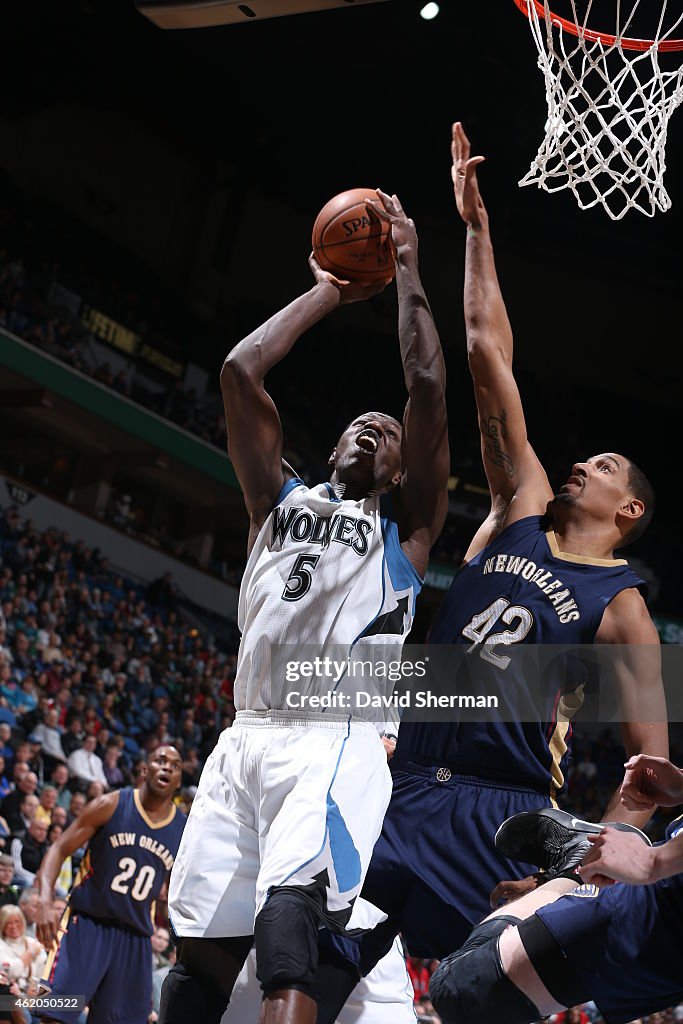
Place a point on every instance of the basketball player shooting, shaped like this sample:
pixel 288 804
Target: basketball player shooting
pixel 101 946
pixel 290 803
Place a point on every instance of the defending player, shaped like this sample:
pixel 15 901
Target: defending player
pixel 291 801
pixel 101 946
pixel 540 570
pixel 618 945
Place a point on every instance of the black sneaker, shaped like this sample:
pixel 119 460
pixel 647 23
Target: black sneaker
pixel 552 839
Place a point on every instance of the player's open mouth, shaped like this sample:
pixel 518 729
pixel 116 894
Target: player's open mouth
pixel 163 780
pixel 368 442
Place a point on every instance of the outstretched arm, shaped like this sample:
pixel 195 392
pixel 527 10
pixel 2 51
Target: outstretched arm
pixel 253 423
pixel 517 481
pixel 425 457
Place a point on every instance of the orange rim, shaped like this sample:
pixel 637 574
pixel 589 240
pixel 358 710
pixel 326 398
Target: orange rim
pixel 666 45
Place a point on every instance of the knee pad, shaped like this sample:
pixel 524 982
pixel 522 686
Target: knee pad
pixel 286 938
pixel 470 986
pixel 489 929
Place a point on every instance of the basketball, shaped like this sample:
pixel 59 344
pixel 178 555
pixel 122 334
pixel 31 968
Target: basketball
pixel 351 241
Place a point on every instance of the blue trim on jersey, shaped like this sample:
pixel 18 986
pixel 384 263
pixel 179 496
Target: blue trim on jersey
pixel 402 572
pixel 341 841
pixel 287 487
pixel 345 856
pixel 333 496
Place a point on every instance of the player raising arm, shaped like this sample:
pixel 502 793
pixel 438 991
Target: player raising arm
pixel 606 502
pixel 279 839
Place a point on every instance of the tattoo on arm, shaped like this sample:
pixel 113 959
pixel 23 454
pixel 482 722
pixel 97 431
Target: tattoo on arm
pixel 494 432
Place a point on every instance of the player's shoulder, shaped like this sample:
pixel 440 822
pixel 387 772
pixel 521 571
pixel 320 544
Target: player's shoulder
pixel 627 619
pixel 100 810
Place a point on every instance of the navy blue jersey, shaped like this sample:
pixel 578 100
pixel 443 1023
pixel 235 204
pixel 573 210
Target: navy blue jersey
pixel 521 589
pixel 126 863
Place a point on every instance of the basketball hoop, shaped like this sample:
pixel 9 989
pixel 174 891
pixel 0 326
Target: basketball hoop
pixel 609 105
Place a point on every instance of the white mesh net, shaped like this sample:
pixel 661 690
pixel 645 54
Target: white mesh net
pixel 608 112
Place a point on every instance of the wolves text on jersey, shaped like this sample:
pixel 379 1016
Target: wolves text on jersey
pixel 558 595
pixel 302 525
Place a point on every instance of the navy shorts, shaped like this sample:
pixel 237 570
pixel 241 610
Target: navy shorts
pixel 434 866
pixel 624 943
pixel 109 964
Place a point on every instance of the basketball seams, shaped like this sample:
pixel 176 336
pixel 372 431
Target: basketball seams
pixel 347 206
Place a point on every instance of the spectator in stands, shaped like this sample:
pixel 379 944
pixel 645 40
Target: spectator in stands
pixel 84 764
pixel 28 851
pixel 49 735
pixel 11 807
pixel 24 956
pixel 9 893
pixel 28 904
pixel 59 779
pixel 35 758
pixel 76 805
pixel 59 815
pixel 65 876
pixel 6 750
pixel 5 833
pixel 112 772
pixel 46 804
pixel 5 786
pixel 191 768
pixel 94 790
pixel 27 812
pixel 419 976
pixel 73 737
pixel 161 941
pixel 122 513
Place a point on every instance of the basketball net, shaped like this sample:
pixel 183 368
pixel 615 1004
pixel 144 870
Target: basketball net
pixel 608 110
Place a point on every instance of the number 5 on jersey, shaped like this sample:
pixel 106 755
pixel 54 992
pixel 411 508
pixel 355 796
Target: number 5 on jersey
pixel 300 578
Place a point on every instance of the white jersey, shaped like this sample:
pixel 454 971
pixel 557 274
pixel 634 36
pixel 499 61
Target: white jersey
pixel 327 578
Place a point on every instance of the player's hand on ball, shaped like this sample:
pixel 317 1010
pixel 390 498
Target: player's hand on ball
pixel 650 782
pixel 349 291
pixel 464 174
pixel 46 923
pixel 507 891
pixel 403 234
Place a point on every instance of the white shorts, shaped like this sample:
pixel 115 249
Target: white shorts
pixel 282 801
pixel 385 996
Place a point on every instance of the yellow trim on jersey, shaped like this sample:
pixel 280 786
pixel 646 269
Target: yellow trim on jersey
pixel 147 820
pixel 566 556
pixel 62 929
pixel 83 869
pixel 567 707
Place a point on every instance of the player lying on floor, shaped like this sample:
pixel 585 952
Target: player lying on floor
pixel 616 939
